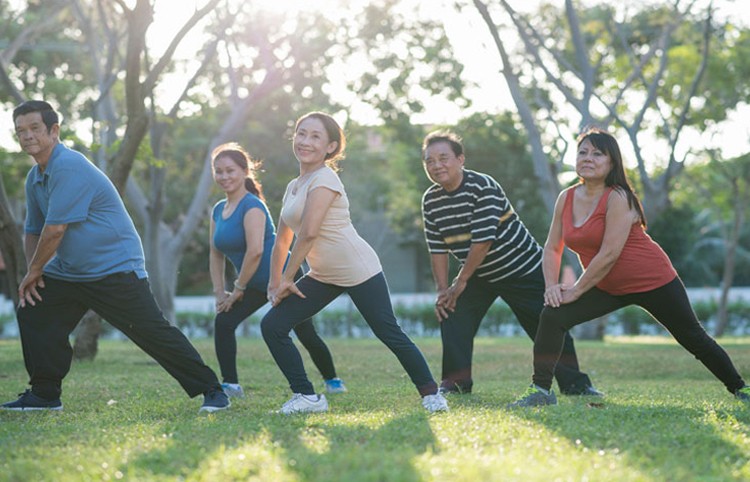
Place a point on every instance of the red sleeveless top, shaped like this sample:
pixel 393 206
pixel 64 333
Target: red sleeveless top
pixel 642 265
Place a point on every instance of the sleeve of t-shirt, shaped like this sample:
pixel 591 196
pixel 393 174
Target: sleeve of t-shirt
pixel 70 197
pixel 328 179
pixel 34 217
pixel 435 242
pixel 489 207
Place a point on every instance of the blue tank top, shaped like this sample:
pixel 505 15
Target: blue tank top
pixel 229 238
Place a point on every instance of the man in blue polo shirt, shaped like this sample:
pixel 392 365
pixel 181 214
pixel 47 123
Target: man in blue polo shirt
pixel 83 252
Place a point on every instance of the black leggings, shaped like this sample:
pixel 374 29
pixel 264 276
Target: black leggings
pixel 669 305
pixel 225 340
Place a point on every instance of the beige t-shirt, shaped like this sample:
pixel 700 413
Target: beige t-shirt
pixel 339 256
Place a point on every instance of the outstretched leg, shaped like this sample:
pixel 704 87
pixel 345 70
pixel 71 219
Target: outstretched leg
pixel 671 307
pixel 373 300
pixel 281 319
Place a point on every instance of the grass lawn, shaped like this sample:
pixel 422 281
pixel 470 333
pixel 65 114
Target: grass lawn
pixel 665 418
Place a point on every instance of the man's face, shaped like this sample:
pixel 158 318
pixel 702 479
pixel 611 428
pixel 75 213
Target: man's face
pixel 34 137
pixel 443 166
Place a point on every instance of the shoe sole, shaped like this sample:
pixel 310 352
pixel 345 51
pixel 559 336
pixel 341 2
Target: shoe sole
pixel 32 409
pixel 213 409
pixel 302 412
pixel 336 390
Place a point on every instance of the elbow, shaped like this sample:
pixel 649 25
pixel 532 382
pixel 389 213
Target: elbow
pixel 254 254
pixel 55 231
pixel 307 236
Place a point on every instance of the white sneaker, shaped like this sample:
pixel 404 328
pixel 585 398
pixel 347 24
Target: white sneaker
pixel 435 403
pixel 300 403
pixel 233 390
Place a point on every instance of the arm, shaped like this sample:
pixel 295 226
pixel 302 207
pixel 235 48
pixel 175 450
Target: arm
pixel 477 253
pixel 43 248
pixel 552 254
pixel 440 266
pixel 254 226
pixel 618 222
pixel 316 207
pixel 279 253
pixel 216 264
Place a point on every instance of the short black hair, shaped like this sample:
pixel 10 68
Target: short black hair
pixel 49 115
pixel 451 138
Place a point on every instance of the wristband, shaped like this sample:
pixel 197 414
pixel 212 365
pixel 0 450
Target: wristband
pixel 238 286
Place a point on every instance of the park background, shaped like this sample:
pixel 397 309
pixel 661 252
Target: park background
pixel 146 97
pixel 148 88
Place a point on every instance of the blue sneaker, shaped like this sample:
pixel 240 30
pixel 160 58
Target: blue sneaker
pixel 27 401
pixel 214 400
pixel 335 385
pixel 233 390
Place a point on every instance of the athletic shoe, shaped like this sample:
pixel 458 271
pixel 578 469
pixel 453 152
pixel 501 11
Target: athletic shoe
pixel 435 403
pixel 233 390
pixel 535 397
pixel 448 387
pixel 300 403
pixel 214 400
pixel 743 394
pixel 27 401
pixel 335 385
pixel 585 392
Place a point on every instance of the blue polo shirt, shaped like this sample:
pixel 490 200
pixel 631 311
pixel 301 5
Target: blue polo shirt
pixel 100 239
pixel 229 238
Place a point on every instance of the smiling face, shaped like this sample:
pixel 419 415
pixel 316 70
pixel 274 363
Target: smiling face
pixel 592 164
pixel 443 166
pixel 34 137
pixel 229 176
pixel 312 144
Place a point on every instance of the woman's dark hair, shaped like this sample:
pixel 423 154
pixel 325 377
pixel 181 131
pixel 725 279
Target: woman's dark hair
pixel 49 116
pixel 605 142
pixel 335 134
pixel 239 156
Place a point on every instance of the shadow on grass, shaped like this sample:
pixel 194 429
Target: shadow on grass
pixel 358 452
pixel 668 441
pixel 312 448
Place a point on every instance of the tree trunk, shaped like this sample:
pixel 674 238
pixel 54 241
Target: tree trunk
pixel 87 340
pixel 729 260
pixel 11 245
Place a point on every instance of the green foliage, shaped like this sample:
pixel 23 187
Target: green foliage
pixel 126 419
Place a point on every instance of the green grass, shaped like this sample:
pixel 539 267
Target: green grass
pixel 665 418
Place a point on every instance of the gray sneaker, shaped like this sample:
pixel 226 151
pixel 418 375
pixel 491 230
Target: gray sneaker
pixel 534 397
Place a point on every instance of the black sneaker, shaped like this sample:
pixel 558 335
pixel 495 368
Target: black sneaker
pixel 214 400
pixel 28 401
pixel 535 397
pixel 743 394
pixel 455 388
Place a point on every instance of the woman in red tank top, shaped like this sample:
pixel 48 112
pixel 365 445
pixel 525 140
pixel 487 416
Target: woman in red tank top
pixel 601 219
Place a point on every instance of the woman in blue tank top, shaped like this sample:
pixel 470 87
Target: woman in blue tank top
pixel 241 229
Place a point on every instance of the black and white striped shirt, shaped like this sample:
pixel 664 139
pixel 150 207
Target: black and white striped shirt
pixel 476 212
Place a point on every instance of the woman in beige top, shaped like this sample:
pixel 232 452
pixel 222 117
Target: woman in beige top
pixel 316 210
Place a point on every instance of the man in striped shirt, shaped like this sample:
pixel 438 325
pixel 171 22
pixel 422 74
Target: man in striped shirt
pixel 467 214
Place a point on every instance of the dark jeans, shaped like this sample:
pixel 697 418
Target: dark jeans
pixel 127 303
pixel 374 303
pixel 525 297
pixel 225 341
pixel 669 305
